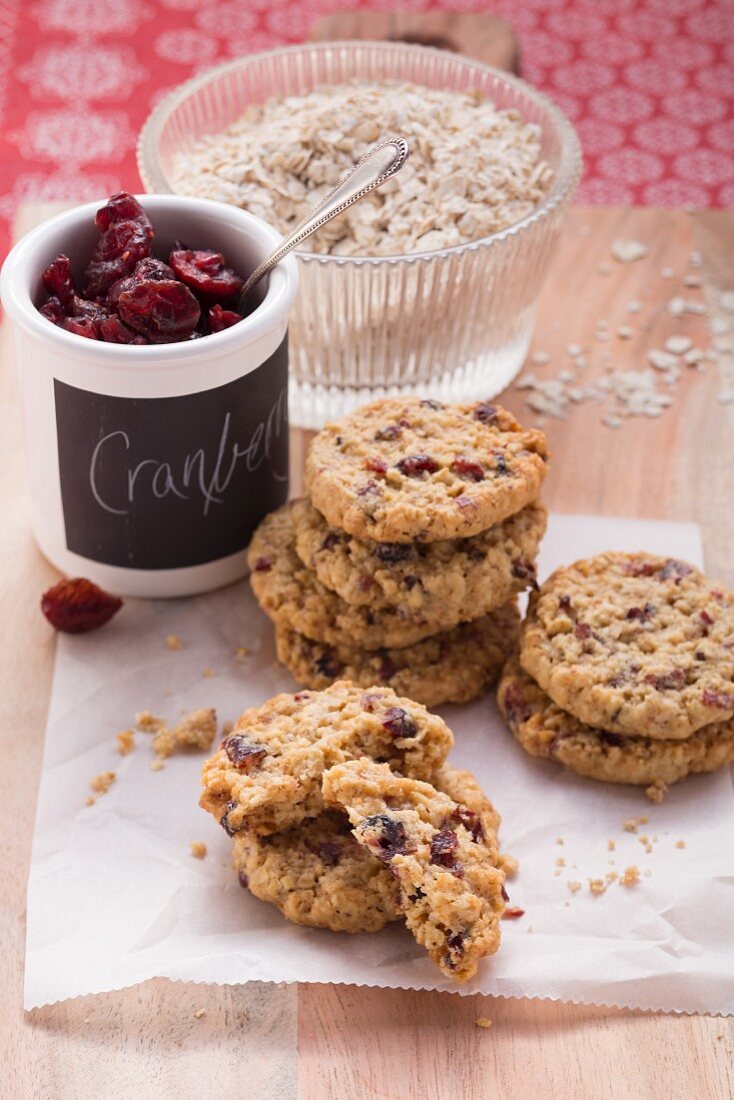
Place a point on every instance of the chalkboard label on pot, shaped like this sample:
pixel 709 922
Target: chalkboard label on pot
pixel 170 482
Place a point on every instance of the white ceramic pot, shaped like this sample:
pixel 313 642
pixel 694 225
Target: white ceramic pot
pixel 150 466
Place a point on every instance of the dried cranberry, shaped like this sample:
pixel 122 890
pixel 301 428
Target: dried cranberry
pixel 471 821
pixel 243 753
pixel 517 707
pixel 429 403
pixel 76 606
pixel 410 581
pixel 640 568
pixel 676 569
pixel 392 839
pixel 58 281
pixel 368 489
pixel 523 569
pixel 399 723
pixel 220 319
pixel 206 272
pixel 700 655
pixel 224 820
pixel 676 678
pixel 53 310
pixel 115 331
pixel 641 614
pixel 243 880
pixel 513 913
pixel 118 251
pixel 391 552
pixel 500 464
pixel 564 604
pixel 262 565
pixel 81 326
pixel 488 414
pixel 444 845
pixel 121 207
pixel 392 431
pixel 505 895
pixel 415 465
pixel 328 851
pixel 719 699
pixel 327 665
pixel 376 466
pixel 388 668
pixel 466 468
pixel 364 583
pixel 706 618
pixel 455 943
pixel 165 312
pixel 369 701
pixel 582 630
pixel 610 738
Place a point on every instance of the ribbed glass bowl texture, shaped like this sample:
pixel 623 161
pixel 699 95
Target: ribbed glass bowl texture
pixel 454 323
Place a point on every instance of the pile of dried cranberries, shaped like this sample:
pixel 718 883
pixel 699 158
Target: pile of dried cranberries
pixel 129 297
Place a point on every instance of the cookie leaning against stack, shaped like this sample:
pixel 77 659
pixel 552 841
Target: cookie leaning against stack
pixel 344 815
pixel 626 671
pixel 422 525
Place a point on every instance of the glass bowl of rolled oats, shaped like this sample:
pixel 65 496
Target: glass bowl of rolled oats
pixel 428 285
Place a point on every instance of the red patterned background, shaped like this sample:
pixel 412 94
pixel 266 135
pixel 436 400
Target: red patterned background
pixel 648 83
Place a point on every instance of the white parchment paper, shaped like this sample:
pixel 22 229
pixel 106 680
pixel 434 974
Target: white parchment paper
pixel 115 896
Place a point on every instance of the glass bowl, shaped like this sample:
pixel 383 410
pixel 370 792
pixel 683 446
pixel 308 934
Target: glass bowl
pixel 453 324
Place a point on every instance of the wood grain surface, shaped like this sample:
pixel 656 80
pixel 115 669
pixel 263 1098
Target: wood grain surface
pixel 314 1042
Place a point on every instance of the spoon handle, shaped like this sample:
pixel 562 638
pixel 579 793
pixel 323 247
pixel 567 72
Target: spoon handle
pixel 374 169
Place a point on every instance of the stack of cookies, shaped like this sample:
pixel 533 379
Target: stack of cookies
pixel 345 815
pixel 402 565
pixel 625 671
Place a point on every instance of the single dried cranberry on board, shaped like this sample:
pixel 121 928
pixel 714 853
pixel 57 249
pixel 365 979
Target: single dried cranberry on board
pixel 206 273
pixel 58 281
pixel 219 318
pixel 76 606
pixel 165 312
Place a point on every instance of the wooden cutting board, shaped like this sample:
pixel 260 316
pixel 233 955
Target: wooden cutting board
pixel 317 1042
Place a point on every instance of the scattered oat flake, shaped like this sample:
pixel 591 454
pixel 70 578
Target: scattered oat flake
pixel 634 306
pixel 199 1013
pixel 102 782
pixel 597 885
pixel 630 877
pixel 726 300
pixel 540 358
pixel 198 849
pixel 573 350
pixel 604 269
pixel 627 251
pixel 625 332
pixel 667 273
pixel 125 741
pixel 483 1021
pixel 678 306
pixel 680 843
pixel 173 641
pixel 692 280
pixel 574 886
pixel 677 345
pixel 661 360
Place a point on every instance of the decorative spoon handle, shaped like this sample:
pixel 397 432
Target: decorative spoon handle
pixel 374 169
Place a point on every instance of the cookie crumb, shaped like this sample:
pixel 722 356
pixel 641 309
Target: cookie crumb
pixel 173 641
pixel 630 825
pixel 611 846
pixel 560 862
pixel 508 864
pixel 611 876
pixel 157 765
pixel 680 843
pixel 630 877
pixel 207 673
pixel 125 742
pixel 227 727
pixel 573 886
pixel 241 652
pixel 199 1013
pixel 643 820
pixel 164 742
pixel 102 782
pixel 90 800
pixel 483 1021
pixel 559 840
pixel 198 849
pixel 197 729
pixel 656 792
pixel 148 723
pixel 597 885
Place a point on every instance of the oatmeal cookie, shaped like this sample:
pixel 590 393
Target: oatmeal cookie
pixel 634 644
pixel 454 579
pixel 446 864
pixel 543 729
pixel 317 874
pixel 451 667
pixel 402 469
pixel 266 776
pixel 290 594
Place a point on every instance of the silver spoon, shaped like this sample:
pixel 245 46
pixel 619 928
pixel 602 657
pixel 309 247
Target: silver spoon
pixel 374 169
